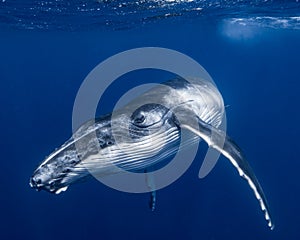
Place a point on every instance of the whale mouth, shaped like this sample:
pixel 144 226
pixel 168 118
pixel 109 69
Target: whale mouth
pixel 54 186
pixel 37 184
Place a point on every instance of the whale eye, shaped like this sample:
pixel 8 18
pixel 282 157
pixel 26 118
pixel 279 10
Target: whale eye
pixel 139 118
pixel 148 115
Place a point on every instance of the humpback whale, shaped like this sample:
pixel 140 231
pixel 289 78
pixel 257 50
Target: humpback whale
pixel 152 132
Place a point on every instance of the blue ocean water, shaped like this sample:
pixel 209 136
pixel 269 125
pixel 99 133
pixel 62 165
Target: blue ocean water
pixel 250 48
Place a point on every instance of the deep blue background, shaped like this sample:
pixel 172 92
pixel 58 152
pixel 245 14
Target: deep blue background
pixel 258 76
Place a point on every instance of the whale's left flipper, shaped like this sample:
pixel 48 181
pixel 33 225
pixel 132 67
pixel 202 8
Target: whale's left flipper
pixel 151 185
pixel 152 201
pixel 215 138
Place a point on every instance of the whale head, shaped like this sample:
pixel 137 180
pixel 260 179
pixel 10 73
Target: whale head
pixel 94 147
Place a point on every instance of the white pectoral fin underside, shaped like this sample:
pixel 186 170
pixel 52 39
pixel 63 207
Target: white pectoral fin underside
pixel 215 138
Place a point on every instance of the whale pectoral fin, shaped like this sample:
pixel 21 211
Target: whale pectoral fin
pixel 218 140
pixel 152 200
pixel 151 185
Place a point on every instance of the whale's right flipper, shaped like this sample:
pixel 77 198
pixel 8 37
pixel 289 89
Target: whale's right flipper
pixel 215 138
